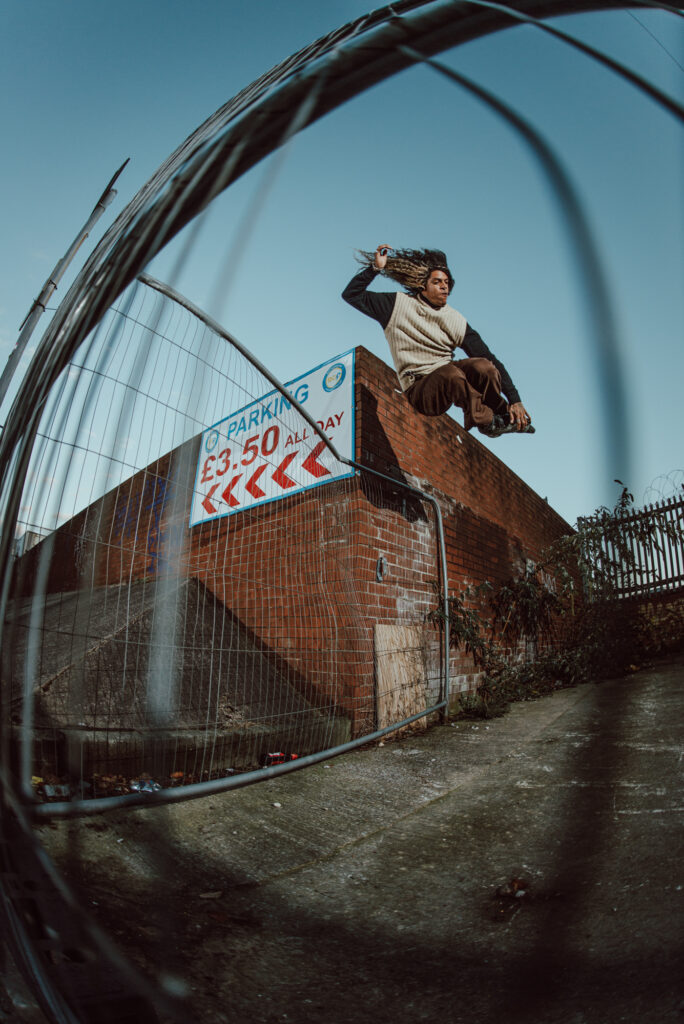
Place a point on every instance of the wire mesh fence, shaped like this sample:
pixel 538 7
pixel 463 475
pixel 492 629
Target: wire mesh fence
pixel 196 590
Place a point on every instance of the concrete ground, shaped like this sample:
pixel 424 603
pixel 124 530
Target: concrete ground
pixel 527 869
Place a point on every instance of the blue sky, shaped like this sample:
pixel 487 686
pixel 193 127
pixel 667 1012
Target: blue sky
pixel 414 161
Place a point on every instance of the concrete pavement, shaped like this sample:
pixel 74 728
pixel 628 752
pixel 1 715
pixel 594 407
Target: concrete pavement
pixel 526 869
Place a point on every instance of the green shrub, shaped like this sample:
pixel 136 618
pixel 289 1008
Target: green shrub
pixel 567 608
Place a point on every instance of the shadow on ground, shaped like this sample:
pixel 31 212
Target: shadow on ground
pixel 527 869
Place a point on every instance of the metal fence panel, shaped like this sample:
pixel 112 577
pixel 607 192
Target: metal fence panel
pixel 150 650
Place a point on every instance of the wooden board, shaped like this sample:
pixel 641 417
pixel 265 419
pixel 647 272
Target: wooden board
pixel 401 683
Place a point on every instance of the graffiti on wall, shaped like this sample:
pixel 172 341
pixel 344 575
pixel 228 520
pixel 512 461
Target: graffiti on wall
pixel 139 522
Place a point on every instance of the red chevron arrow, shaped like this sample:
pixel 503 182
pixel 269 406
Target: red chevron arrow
pixel 279 475
pixel 252 485
pixel 311 463
pixel 206 504
pixel 227 493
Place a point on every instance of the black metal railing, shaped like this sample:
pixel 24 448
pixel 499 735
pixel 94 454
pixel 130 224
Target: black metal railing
pixel 643 552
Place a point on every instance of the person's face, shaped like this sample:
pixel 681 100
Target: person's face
pixel 436 290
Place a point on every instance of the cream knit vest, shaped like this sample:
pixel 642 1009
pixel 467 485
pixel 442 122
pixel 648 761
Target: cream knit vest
pixel 422 338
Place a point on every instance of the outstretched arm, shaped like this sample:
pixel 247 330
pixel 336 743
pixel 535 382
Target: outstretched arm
pixel 378 305
pixel 474 346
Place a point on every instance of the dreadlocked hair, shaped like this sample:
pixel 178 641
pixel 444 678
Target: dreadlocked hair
pixel 410 268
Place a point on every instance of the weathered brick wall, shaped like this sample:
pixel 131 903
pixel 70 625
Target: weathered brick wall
pixel 493 521
pixel 120 538
pixel 484 503
pixel 300 573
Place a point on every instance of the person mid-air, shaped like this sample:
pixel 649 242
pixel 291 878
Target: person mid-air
pixel 422 331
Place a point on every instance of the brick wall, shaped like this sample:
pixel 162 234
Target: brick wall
pixel 300 573
pixel 494 512
pixel 492 520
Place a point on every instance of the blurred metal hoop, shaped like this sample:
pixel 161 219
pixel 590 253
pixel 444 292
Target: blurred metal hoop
pixel 300 90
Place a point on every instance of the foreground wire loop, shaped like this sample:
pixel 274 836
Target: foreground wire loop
pixel 96 466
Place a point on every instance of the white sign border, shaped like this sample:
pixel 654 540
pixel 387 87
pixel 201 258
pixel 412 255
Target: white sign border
pixel 262 398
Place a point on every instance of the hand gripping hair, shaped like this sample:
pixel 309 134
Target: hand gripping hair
pixel 410 268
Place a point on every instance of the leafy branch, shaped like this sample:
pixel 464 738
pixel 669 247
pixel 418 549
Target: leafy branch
pixel 569 606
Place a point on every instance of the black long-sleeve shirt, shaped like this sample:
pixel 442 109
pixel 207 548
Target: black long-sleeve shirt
pixel 380 306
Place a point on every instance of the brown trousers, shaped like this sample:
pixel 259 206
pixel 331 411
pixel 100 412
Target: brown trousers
pixel 474 385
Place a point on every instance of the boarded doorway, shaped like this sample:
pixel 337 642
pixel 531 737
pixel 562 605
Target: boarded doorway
pixel 400 673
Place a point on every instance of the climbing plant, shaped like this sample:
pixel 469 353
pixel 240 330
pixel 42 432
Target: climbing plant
pixel 566 612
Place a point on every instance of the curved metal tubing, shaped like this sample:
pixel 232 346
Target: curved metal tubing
pixel 84 808
pixel 233 140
